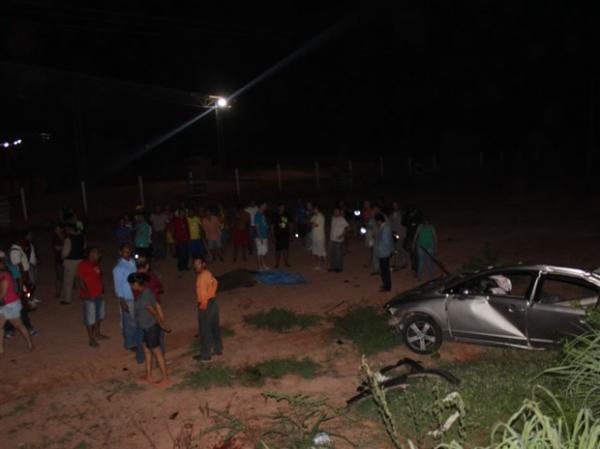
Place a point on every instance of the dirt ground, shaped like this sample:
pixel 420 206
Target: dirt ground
pixel 68 395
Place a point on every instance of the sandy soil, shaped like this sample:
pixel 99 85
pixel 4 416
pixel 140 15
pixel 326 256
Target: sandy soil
pixel 66 394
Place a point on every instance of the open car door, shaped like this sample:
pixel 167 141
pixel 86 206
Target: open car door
pixel 559 308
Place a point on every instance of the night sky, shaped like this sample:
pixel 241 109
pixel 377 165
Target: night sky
pixel 419 78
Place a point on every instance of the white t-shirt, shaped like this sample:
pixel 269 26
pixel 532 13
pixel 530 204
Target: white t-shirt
pixel 252 212
pixel 318 226
pixel 159 221
pixel 338 226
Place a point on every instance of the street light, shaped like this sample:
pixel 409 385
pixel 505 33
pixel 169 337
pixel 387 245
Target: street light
pixel 219 104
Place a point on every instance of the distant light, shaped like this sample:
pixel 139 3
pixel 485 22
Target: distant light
pixel 357 213
pixel 6 144
pixel 222 102
pixel 17 142
pixel 363 230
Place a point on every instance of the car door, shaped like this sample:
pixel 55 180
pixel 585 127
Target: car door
pixel 559 308
pixel 480 312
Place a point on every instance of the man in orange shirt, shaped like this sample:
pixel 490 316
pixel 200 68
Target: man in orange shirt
pixel 208 312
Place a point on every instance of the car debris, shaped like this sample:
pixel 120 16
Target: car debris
pixel 402 381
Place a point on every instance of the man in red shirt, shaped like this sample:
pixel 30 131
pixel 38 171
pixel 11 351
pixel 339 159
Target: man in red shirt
pixel 181 235
pixel 91 290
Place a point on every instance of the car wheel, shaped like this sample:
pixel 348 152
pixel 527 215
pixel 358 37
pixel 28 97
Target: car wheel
pixel 421 334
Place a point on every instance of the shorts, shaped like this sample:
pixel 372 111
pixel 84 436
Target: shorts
pixel 197 248
pixel 152 336
pixel 93 310
pixel 262 246
pixel 214 244
pixel 11 311
pixel 318 248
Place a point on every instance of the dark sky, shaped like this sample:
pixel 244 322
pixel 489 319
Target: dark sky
pixel 419 78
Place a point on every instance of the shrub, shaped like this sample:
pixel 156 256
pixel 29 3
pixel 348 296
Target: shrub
pixel 367 329
pixel 281 320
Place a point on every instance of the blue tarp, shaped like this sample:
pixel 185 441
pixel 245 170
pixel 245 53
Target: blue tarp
pixel 279 278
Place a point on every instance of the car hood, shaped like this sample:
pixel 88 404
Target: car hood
pixel 422 291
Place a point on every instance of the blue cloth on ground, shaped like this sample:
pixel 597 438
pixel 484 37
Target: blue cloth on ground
pixel 279 278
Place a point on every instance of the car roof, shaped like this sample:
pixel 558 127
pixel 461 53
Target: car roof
pixel 593 278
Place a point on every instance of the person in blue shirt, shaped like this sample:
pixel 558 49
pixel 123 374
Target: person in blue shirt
pixel 262 236
pixel 125 266
pixel 143 231
pixel 383 249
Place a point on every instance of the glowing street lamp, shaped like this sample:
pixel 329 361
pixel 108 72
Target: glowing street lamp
pixel 222 102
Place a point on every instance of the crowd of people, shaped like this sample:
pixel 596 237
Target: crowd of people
pixel 394 239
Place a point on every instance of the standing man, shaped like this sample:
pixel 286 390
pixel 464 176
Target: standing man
pixel 339 227
pixel 317 224
pixel 159 221
pixel 181 236
pixel 125 266
pixel 149 319
pixel 241 237
pixel 91 290
pixel 383 249
pixel 73 253
pixel 399 234
pixel 252 209
pixel 211 224
pixel 208 312
pixel 194 222
pixel 425 242
pixel 282 230
pixel 58 241
pixel 143 236
pixel 262 236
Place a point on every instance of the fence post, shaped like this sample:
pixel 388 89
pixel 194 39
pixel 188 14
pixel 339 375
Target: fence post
pixel 24 205
pixel 237 182
pixel 279 177
pixel 317 174
pixel 141 184
pixel 84 197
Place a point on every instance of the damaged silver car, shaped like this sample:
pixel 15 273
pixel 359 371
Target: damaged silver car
pixel 529 307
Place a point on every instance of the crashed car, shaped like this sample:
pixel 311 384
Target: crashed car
pixel 533 306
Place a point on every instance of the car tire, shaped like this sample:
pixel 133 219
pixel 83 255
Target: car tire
pixel 421 334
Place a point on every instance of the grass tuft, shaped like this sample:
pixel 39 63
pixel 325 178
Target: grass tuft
pixel 209 376
pixel 281 320
pixel 367 329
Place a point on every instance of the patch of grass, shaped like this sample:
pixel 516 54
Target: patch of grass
pixel 367 328
pixel 281 320
pixel 492 388
pixel 219 375
pixel 209 376
pixel 255 375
